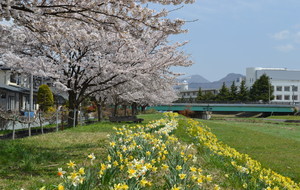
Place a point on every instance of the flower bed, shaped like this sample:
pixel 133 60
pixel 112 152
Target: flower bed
pixel 151 157
pixel 249 170
pixel 141 157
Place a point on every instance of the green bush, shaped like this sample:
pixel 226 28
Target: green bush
pixel 45 98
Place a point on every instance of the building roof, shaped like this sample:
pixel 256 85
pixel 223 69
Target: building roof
pixel 15 88
pixel 280 74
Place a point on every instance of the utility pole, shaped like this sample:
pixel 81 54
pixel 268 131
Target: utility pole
pixel 293 96
pixel 270 90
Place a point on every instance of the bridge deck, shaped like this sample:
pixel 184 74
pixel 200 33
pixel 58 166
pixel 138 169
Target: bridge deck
pixel 227 107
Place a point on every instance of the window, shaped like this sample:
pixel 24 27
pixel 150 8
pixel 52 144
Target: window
pixel 294 88
pixel 295 97
pixel 50 84
pixel 278 88
pixel 287 88
pixel 278 97
pixel 11 103
pixel 14 78
pixel 286 97
pixel 2 95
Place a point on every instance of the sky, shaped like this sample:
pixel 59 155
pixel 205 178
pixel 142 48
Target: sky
pixel 231 35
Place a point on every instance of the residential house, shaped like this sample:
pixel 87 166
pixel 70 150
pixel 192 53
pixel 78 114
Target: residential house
pixel 15 90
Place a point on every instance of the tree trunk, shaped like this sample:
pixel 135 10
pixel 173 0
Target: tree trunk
pixel 72 107
pixel 56 120
pixel 29 130
pixel 41 123
pixel 115 110
pixel 99 111
pixel 143 109
pixel 133 109
pixel 62 120
pixel 125 110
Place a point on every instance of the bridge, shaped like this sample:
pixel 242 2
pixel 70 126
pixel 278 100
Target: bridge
pixel 206 109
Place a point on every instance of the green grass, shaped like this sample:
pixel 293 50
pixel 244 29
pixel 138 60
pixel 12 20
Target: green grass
pixel 30 163
pixel 276 146
pixel 288 117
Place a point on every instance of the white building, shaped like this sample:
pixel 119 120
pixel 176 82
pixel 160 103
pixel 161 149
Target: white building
pixel 285 82
pixel 184 86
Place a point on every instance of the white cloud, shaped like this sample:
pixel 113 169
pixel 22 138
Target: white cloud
pixel 285 48
pixel 285 34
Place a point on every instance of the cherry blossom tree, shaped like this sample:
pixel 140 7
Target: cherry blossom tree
pixel 85 60
pixel 144 91
pixel 90 46
pixel 119 15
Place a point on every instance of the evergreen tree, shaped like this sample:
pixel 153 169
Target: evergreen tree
pixel 209 96
pixel 223 93
pixel 233 92
pixel 243 94
pixel 45 98
pixel 261 89
pixel 191 99
pixel 199 95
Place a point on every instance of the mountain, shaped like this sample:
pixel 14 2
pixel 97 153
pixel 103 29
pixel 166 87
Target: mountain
pixel 194 79
pixel 228 79
pixel 231 77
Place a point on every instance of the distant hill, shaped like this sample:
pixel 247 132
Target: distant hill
pixel 194 79
pixel 231 77
pixel 216 84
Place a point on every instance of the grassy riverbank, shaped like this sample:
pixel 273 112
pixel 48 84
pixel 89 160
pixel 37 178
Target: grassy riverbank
pixel 30 163
pixel 275 145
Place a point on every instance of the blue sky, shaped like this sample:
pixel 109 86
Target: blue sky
pixel 231 35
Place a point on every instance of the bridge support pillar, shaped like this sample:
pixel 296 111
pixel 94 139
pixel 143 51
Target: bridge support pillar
pixel 206 115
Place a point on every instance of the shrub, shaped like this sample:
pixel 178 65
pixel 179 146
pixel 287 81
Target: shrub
pixel 45 98
pixel 187 113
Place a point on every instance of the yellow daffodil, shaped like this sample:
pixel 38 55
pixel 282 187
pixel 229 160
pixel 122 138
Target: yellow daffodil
pixel 193 169
pixel 178 167
pixel 132 173
pixel 115 163
pixel 91 156
pixel 217 187
pixel 164 167
pixel 175 187
pixel 71 164
pixel 154 169
pixel 81 171
pixel 60 187
pixel 112 144
pixel 182 176
pixel 121 186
